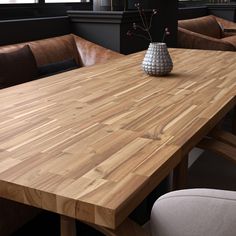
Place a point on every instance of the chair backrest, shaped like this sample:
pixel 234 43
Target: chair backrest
pixel 206 25
pixel 49 50
pixel 195 212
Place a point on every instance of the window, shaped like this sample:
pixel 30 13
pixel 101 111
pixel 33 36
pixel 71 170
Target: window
pixel 36 1
pixel 17 1
pixel 64 1
pixel 202 2
pixel 193 2
pixel 21 9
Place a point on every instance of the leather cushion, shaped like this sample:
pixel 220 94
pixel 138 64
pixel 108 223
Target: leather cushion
pixel 231 39
pixel 206 25
pixel 190 39
pixel 91 53
pixel 57 67
pixel 52 50
pixel 17 67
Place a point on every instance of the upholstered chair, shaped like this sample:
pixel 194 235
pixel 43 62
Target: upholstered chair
pixel 195 212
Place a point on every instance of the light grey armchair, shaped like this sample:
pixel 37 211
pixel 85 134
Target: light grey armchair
pixel 195 212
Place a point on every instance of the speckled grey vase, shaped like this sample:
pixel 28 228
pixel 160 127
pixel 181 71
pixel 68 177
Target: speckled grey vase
pixel 157 60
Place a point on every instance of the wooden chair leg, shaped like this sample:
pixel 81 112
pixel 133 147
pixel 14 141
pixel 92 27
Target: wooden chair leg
pixel 224 137
pixel 234 121
pixel 224 149
pixel 180 174
pixel 128 227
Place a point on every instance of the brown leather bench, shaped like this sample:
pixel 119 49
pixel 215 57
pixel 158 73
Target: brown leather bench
pixel 208 32
pixel 52 51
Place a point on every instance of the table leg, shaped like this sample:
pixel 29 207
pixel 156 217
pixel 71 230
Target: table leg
pixel 180 174
pixel 68 226
pixel 234 121
pixel 128 227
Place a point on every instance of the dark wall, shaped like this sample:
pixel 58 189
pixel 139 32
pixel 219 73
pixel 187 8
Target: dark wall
pixel 166 17
pixel 226 11
pixel 22 11
pixel 108 29
pixel 26 22
pixel 143 3
pixel 192 12
pixel 16 31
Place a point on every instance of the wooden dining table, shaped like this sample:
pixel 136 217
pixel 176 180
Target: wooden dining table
pixel 91 144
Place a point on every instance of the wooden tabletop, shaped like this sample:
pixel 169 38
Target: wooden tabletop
pixel 93 142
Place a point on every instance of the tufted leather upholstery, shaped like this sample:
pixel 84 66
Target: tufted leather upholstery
pixel 91 53
pixel 65 47
pixel 192 40
pixel 206 25
pixel 206 33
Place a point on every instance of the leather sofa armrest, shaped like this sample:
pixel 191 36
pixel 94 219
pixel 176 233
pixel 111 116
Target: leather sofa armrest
pixel 91 53
pixel 192 40
pixel 226 23
pixel 228 27
pixel 229 32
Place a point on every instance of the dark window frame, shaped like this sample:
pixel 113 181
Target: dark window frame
pixel 190 3
pixel 40 3
pixel 40 9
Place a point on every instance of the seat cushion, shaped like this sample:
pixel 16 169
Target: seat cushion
pixel 52 50
pixel 206 25
pixel 17 67
pixel 231 39
pixel 57 67
pixel 195 212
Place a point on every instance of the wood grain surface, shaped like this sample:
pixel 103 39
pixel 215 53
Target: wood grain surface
pixel 92 143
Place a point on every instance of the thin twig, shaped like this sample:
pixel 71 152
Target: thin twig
pixel 144 24
pixel 154 12
pixel 140 14
pixel 141 36
pixel 140 27
pixel 163 38
pixel 145 19
pixel 166 32
pixel 147 29
pixel 150 22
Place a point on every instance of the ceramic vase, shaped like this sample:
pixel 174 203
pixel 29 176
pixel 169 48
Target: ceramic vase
pixel 157 60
